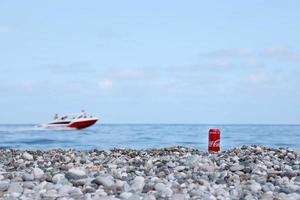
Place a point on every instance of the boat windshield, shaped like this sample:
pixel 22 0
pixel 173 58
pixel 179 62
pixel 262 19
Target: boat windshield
pixel 70 116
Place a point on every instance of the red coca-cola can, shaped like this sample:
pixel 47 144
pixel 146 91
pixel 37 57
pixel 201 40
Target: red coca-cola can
pixel 214 140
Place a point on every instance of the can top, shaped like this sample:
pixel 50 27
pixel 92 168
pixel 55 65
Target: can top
pixel 214 130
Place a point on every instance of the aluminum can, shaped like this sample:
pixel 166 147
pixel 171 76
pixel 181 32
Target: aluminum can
pixel 214 136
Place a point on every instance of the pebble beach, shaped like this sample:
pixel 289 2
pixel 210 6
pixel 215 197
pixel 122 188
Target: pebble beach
pixel 178 173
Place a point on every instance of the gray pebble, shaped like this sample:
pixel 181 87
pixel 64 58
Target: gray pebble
pixel 4 186
pixel 105 180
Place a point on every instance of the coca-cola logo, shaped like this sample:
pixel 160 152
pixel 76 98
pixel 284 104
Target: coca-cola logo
pixel 215 143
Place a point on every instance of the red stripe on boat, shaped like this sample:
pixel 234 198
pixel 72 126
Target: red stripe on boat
pixel 82 124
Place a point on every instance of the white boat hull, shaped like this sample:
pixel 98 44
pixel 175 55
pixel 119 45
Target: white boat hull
pixel 71 124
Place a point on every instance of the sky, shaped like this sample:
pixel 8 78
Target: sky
pixel 158 61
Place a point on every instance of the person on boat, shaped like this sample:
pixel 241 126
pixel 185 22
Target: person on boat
pixel 55 116
pixel 64 117
pixel 83 114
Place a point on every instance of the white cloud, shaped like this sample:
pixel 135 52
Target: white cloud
pixel 28 86
pixel 259 78
pixel 124 73
pixel 282 53
pixel 132 73
pixel 68 69
pixel 278 53
pixel 222 53
pixel 105 84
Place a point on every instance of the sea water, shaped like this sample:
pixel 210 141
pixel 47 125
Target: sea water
pixel 144 136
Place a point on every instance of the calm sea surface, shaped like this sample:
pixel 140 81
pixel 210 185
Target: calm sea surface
pixel 107 136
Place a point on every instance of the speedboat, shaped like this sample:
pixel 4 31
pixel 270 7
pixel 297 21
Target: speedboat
pixel 73 121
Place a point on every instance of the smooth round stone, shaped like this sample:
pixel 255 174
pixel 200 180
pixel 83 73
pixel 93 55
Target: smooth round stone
pixel 160 187
pixel 149 197
pixel 161 174
pixel 80 182
pixel 106 198
pixel 76 193
pixel 236 167
pixel 75 173
pixel 88 189
pixel 268 187
pixel 47 177
pixel 87 196
pixel 101 192
pixel 149 164
pixel 138 184
pixel 27 156
pixel 112 166
pixel 120 185
pixel 297 180
pixel 30 194
pixel 38 173
pixel 170 177
pixel 193 161
pixel 125 195
pixel 104 179
pixel 178 197
pixel 179 168
pixel 293 196
pixel 134 197
pixel 249 197
pixel 235 192
pixel 4 186
pixel 166 192
pixel 267 196
pixel 49 186
pixel 255 187
pixel 28 184
pixel 65 190
pixel 58 178
pixel 28 177
pixel 285 190
pixel 50 195
pixel 15 188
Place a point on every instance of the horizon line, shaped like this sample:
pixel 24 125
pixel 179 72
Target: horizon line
pixel 176 123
